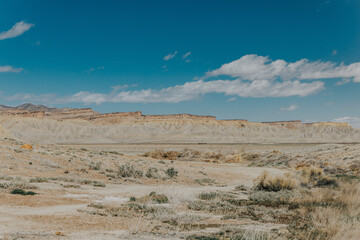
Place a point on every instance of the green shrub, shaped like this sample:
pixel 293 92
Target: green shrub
pixel 22 192
pixel 208 196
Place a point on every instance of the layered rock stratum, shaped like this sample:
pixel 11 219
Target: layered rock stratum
pixel 37 123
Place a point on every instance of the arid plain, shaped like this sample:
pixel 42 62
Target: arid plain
pixel 77 174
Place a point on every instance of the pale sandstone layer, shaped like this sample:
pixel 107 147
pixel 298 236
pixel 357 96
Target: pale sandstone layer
pixel 87 126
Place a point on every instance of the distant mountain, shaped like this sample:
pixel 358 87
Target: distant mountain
pixel 32 108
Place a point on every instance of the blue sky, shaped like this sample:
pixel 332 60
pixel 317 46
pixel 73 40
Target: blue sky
pixel 257 60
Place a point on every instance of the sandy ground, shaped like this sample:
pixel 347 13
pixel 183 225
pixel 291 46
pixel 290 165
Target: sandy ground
pixel 73 177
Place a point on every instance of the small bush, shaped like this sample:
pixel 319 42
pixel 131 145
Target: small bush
pixel 171 172
pixel 128 170
pixel 269 183
pixel 22 192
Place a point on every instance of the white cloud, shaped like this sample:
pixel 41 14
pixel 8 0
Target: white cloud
pixel 292 107
pixel 18 29
pixel 334 52
pixel 9 69
pixel 231 99
pixel 93 69
pixel 253 67
pixel 170 56
pixel 353 121
pixel 186 55
pixel 251 76
pixel 192 90
pixel 342 82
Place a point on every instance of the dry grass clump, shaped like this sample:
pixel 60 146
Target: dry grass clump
pixel 270 183
pixel 161 154
pixel 313 176
pixel 153 197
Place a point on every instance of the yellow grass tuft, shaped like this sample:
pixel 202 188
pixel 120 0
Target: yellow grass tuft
pixel 277 183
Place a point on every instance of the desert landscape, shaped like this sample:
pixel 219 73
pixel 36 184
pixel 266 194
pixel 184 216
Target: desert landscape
pixel 179 120
pixel 77 174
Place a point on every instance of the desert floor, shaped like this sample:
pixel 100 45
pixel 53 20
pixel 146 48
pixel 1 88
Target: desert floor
pixel 179 191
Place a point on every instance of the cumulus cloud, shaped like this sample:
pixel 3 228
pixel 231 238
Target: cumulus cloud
pixel 17 30
pixel 170 56
pixel 253 67
pixel 292 107
pixel 353 121
pixel 9 69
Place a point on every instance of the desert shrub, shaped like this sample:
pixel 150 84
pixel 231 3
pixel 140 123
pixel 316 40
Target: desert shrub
pixel 241 188
pixel 208 196
pixel 250 156
pixel 98 184
pixel 153 197
pixel 254 234
pixel 312 176
pixel 38 179
pixel 17 184
pixel 270 183
pixel 159 198
pixel 152 173
pixel 161 154
pixel 171 172
pixel 86 181
pixel 198 237
pixel 205 181
pixel 128 170
pixel 283 196
pixel 95 166
pixel 22 192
